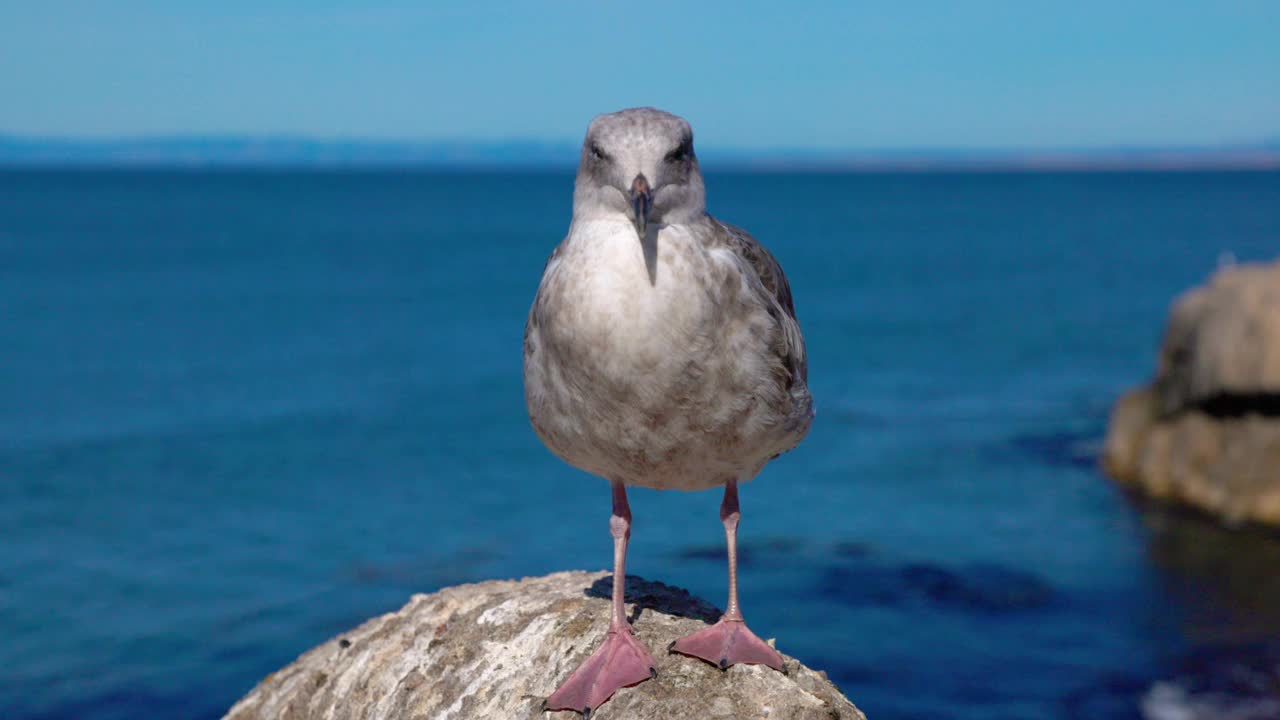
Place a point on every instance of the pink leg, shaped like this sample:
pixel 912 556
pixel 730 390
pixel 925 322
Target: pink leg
pixel 621 661
pixel 729 641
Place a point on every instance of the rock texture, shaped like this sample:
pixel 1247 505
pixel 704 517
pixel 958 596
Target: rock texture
pixel 1223 340
pixel 1206 431
pixel 496 649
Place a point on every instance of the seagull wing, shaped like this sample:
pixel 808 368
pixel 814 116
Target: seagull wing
pixel 530 326
pixel 776 294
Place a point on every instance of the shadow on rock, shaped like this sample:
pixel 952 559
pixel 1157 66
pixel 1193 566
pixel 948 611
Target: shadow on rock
pixel 653 595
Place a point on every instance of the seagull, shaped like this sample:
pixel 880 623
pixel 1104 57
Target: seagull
pixel 662 351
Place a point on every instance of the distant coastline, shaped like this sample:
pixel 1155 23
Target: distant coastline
pixel 301 153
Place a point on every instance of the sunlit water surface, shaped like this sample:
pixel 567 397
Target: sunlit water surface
pixel 242 412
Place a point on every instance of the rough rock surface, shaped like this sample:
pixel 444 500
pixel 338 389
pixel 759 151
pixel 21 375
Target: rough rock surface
pixel 1206 431
pixel 1223 339
pixel 497 649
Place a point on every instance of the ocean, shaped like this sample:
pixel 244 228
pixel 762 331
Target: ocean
pixel 243 411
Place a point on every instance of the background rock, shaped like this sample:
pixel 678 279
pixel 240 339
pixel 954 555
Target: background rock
pixel 497 649
pixel 1206 432
pixel 1223 339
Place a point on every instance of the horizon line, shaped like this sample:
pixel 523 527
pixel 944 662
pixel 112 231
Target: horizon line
pixel 249 150
pixel 1271 143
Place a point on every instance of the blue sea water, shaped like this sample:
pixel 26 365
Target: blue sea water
pixel 240 412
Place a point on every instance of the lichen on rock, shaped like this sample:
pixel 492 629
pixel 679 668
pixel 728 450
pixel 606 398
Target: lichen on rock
pixel 497 649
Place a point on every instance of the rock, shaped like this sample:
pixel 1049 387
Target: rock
pixel 497 649
pixel 1228 466
pixel 1206 431
pixel 1223 339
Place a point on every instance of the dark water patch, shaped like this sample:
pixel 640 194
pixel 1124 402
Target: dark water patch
pixel 852 549
pixel 1064 448
pixel 980 587
pixel 424 574
pixel 1224 579
pixel 1113 697
pixel 1179 511
pixel 126 704
pixel 750 552
pixel 713 552
pixel 1225 601
pixel 975 588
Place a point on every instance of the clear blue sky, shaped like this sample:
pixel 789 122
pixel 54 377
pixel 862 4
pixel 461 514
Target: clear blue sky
pixel 860 75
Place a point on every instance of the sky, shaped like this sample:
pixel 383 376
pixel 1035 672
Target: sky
pixel 904 74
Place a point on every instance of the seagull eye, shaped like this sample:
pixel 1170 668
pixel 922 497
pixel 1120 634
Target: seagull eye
pixel 597 153
pixel 679 154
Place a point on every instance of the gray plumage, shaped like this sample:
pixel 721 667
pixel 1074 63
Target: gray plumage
pixel 671 359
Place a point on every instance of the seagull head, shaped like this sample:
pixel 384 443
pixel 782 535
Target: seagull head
pixel 639 162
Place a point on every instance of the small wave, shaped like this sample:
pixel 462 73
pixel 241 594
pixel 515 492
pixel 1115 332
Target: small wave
pixel 1170 701
pixel 1232 682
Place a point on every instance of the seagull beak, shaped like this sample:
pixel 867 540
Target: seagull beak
pixel 641 202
